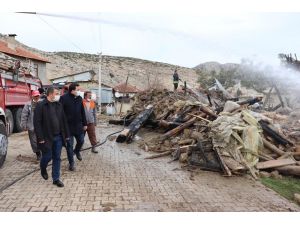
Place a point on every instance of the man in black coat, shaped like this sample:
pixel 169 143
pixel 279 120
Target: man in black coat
pixel 52 132
pixel 74 110
pixel 176 80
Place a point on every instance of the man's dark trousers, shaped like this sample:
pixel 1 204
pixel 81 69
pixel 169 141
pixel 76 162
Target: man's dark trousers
pixel 54 154
pixel 79 142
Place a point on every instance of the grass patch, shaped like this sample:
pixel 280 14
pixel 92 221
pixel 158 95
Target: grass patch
pixel 286 186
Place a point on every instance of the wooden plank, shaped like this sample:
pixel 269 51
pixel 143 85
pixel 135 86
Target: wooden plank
pixel 208 111
pixel 199 117
pixel 279 96
pixel 159 155
pixel 267 98
pixel 223 164
pixel 272 147
pixel 177 129
pixel 184 148
pixel 275 163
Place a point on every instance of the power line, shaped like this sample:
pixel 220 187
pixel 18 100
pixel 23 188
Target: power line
pixel 60 33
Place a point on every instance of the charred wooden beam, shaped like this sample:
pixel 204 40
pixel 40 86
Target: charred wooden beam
pixel 177 129
pixel 250 101
pixel 276 107
pixel 128 134
pixel 272 133
pixel 209 99
pixel 169 125
pixel 180 116
pixel 125 122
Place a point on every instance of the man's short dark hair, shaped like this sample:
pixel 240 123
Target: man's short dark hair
pixel 73 86
pixel 41 90
pixel 50 90
pixel 87 92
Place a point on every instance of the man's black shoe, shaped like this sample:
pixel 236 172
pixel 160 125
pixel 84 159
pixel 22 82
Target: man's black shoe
pixel 78 156
pixel 44 174
pixel 71 167
pixel 58 183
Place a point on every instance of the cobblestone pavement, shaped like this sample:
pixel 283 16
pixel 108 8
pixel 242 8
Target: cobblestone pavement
pixel 118 178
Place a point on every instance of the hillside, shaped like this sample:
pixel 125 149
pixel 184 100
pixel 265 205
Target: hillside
pixel 114 69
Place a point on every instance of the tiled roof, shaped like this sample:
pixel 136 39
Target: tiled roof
pixel 19 52
pixel 123 88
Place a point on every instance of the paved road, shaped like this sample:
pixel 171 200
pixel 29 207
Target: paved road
pixel 120 179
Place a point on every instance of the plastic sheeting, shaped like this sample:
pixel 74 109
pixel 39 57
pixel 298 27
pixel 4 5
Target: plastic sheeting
pixel 238 139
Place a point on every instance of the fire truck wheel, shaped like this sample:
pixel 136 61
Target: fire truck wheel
pixel 3 143
pixel 17 119
pixel 9 120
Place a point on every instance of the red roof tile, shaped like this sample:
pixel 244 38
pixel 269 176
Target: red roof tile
pixel 19 52
pixel 123 88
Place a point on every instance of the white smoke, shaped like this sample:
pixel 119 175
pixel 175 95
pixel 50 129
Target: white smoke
pixel 285 78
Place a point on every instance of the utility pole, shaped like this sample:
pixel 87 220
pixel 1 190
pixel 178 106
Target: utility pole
pixel 99 81
pixel 124 93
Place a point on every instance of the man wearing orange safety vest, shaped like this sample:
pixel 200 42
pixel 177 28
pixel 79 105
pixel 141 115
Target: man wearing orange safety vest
pixel 90 114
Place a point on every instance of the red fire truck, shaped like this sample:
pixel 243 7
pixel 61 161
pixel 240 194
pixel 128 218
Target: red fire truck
pixel 15 92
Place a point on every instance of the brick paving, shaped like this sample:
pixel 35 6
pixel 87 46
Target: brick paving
pixel 118 178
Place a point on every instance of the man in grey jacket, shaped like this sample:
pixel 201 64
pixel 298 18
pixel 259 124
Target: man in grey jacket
pixel 27 122
pixel 91 119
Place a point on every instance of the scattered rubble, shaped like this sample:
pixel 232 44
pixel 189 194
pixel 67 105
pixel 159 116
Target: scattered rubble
pixel 215 134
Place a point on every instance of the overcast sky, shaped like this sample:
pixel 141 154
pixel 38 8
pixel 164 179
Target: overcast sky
pixel 181 39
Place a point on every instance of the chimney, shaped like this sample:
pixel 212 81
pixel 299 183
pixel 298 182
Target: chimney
pixel 12 36
pixel 11 41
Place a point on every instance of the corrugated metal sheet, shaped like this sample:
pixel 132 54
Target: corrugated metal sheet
pixel 106 95
pixel 86 76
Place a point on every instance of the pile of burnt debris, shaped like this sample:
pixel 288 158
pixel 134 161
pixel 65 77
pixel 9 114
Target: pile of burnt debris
pixel 215 131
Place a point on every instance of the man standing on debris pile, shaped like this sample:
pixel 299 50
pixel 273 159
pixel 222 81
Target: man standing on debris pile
pixel 74 110
pixel 27 122
pixel 50 125
pixel 90 114
pixel 176 80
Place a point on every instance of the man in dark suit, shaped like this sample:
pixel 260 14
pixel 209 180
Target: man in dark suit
pixel 52 132
pixel 75 114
